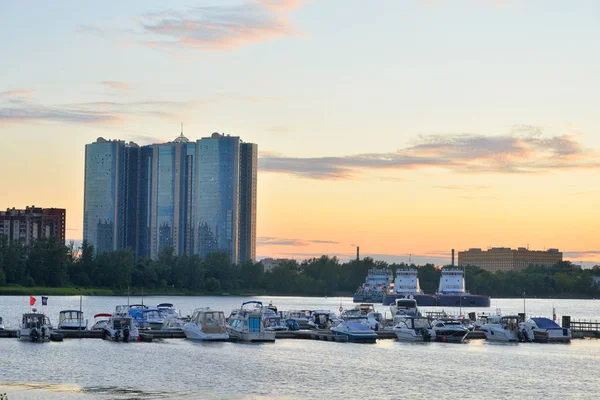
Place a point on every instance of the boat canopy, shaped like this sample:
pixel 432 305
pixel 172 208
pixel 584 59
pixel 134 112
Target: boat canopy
pixel 546 323
pixel 70 311
pixel 165 305
pixel 357 326
pixel 252 302
pixel 103 315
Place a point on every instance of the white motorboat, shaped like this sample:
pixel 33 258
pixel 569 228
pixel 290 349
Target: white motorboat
pixel 247 324
pixel 121 310
pixel 355 332
pixel 152 318
pixel 323 319
pixel 300 316
pixel 173 324
pixel 413 328
pixel 502 329
pixel 121 329
pixel 373 320
pixel 35 327
pixel 168 310
pixel 405 307
pixel 71 320
pixel 206 324
pixel 272 321
pixel 449 330
pixel 543 330
pixel 100 321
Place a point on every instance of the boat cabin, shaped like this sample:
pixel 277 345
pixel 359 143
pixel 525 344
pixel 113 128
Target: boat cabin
pixel 413 322
pixel 70 316
pixel 365 308
pixel 211 321
pixel 33 320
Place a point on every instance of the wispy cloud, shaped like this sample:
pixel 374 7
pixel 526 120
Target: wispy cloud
pixel 526 149
pixel 17 93
pixel 117 85
pixel 210 27
pixel 17 109
pixel 274 241
pixel 463 187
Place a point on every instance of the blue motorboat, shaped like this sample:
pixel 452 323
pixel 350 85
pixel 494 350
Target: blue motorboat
pixel 355 332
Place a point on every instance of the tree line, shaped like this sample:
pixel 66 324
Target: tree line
pixel 49 263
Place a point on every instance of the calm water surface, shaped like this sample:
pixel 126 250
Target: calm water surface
pixel 290 369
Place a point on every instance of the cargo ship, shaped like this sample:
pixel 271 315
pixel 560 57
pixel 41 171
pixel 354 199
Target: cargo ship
pixel 406 286
pixel 376 285
pixel 451 291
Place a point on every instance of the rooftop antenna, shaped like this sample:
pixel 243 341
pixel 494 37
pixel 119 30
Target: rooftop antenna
pixel 182 129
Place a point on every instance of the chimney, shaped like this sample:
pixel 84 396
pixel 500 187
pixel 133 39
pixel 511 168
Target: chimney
pixel 453 257
pixel 357 253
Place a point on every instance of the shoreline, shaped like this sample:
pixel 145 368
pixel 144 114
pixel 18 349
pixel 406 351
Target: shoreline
pixel 73 291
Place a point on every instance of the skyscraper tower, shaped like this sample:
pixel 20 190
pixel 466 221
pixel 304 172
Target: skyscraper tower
pixel 197 198
pixel 109 189
pixel 172 196
pixel 217 195
pixel 247 215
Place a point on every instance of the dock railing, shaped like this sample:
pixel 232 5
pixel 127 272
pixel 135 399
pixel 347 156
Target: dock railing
pixel 587 328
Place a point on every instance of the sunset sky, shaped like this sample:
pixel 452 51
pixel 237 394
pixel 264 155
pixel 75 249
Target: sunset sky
pixel 402 126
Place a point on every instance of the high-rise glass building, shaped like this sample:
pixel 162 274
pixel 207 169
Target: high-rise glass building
pixel 247 213
pixel 110 187
pixel 217 195
pixel 172 197
pixel 197 198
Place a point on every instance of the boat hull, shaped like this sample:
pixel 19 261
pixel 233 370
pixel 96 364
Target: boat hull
pixel 25 336
pixel 410 335
pixel 367 297
pixel 450 336
pixel 465 300
pixel 371 338
pixel 423 300
pixel 264 336
pixel 194 333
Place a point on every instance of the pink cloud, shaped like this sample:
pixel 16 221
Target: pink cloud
pixel 117 85
pixel 220 27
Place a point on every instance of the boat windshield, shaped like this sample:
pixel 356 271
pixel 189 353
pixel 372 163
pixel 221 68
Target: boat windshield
pixel 214 319
pixel 357 326
pixel 421 323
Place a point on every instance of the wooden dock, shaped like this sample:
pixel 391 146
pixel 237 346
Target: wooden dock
pixel 8 333
pixel 582 328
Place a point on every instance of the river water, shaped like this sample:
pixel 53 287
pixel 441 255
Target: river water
pixel 294 369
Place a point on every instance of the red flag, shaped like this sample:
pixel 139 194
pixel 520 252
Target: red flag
pixel 31 300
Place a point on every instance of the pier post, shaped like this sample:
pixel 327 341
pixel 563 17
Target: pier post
pixel 566 321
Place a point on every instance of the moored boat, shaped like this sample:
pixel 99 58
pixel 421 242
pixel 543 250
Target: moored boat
pixel 100 321
pixel 405 306
pixel 449 330
pixel 121 329
pixel 413 328
pixel 246 325
pixel 35 327
pixel 207 325
pixel 71 320
pixel 502 328
pixel 355 332
pixel 544 330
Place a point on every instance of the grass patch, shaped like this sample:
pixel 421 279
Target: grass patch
pixel 17 290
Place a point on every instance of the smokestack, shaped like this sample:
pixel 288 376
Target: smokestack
pixel 453 257
pixel 357 253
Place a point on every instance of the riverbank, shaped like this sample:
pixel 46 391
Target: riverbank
pixel 17 290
